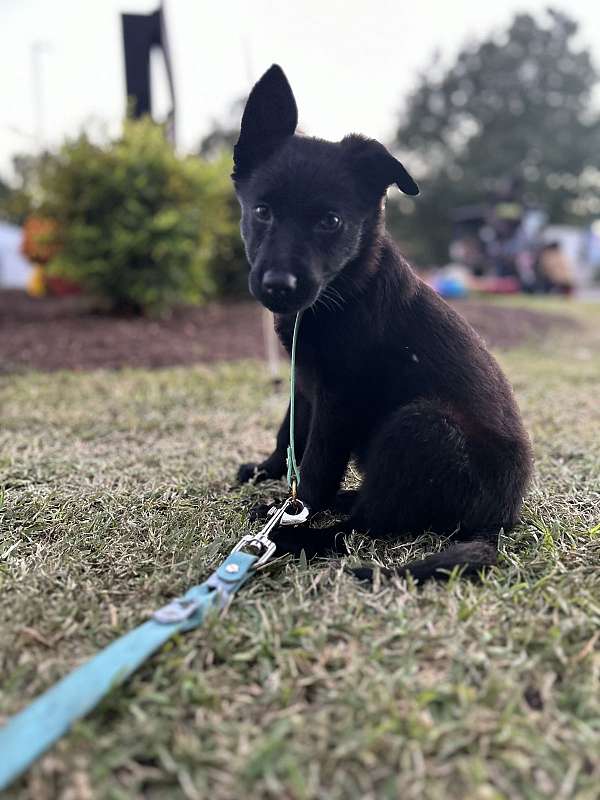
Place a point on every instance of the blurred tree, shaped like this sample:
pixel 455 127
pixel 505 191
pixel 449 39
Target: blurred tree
pixel 5 192
pixel 514 108
pixel 16 199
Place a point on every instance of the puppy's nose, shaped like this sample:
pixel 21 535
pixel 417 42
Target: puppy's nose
pixel 280 284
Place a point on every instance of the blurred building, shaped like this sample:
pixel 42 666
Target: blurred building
pixel 15 269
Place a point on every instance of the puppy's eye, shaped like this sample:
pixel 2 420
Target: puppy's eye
pixel 330 222
pixel 262 212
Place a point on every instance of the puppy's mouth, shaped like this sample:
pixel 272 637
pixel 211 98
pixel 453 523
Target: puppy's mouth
pixel 282 298
pixel 287 306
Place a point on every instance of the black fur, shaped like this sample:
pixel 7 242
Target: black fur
pixel 387 372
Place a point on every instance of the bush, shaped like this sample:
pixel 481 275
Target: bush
pixel 139 226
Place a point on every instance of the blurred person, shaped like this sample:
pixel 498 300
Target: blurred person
pixel 555 270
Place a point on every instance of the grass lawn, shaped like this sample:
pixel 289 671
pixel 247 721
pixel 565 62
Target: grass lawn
pixel 115 495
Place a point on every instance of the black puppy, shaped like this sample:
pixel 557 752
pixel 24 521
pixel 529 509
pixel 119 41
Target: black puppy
pixel 387 372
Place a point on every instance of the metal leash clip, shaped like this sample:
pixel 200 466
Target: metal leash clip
pixel 298 516
pixel 260 542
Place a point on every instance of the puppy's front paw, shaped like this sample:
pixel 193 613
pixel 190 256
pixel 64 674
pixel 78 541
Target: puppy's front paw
pixel 314 542
pixel 260 512
pixel 289 543
pixel 251 472
pixel 361 573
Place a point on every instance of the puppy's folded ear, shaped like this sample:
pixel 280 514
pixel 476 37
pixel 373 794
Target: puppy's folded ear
pixel 269 118
pixel 376 167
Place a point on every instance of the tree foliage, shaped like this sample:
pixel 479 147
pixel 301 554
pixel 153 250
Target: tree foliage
pixel 17 198
pixel 515 106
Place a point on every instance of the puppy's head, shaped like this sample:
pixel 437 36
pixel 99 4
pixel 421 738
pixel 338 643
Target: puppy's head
pixel 306 203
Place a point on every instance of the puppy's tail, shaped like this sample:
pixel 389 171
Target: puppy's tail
pixel 471 557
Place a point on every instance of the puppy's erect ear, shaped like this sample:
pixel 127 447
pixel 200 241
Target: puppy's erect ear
pixel 269 118
pixel 376 166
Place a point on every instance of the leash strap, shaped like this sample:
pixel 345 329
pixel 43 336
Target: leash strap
pixel 293 471
pixel 31 732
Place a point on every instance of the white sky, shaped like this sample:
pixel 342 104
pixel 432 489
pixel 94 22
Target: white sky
pixel 350 62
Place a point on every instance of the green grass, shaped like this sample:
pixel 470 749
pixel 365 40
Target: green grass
pixel 115 495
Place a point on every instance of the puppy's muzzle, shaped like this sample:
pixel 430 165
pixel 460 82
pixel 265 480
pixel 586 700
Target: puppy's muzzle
pixel 279 286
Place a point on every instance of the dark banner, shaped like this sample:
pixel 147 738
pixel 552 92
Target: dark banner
pixel 142 32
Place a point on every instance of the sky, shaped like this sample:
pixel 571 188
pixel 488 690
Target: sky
pixel 350 62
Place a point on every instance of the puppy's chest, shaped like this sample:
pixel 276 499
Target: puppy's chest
pixel 335 370
pixel 348 361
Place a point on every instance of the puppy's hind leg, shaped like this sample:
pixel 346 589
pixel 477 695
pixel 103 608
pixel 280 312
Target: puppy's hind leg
pixel 421 475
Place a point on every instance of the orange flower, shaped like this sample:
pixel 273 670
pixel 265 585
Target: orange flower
pixel 40 239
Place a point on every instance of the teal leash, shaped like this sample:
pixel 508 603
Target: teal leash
pixel 293 471
pixel 27 735
pixel 31 732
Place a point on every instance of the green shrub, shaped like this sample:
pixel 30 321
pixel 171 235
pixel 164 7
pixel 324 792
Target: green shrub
pixel 139 226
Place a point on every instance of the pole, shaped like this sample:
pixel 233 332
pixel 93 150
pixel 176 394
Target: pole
pixel 37 49
pixel 271 343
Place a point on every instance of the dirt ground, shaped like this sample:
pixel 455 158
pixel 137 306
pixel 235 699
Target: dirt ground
pixel 63 333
